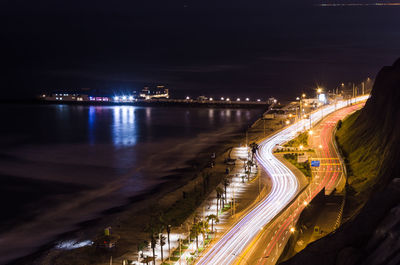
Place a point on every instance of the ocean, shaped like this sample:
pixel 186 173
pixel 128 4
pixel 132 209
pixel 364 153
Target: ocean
pixel 64 164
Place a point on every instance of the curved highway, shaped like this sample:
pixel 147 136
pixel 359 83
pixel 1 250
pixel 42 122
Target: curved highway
pixel 284 188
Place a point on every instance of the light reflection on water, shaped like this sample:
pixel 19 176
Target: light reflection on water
pixel 124 129
pixel 113 151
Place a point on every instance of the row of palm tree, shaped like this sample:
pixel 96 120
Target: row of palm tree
pixel 200 228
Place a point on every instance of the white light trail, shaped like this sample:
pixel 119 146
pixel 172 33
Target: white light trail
pixel 284 188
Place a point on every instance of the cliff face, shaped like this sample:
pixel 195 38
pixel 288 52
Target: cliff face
pixel 372 237
pixel 379 122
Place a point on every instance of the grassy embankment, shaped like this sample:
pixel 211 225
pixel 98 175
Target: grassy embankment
pixel 294 148
pixel 362 161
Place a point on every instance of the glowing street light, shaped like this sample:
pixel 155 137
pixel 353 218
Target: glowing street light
pixel 303 95
pixel 258 100
pixel 238 99
pixel 228 99
pixel 124 98
pixel 305 203
pixel 187 98
pixel 247 99
pixel 292 230
pixel 222 98
pixel 320 146
pixel 130 97
pixel 211 99
pixel 287 122
pixel 301 147
pixel 116 98
pixel 310 132
pixel 319 90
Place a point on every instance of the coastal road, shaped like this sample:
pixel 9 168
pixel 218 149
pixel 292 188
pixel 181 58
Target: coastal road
pixel 268 246
pixel 242 236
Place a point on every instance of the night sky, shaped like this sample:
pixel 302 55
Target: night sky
pixel 216 48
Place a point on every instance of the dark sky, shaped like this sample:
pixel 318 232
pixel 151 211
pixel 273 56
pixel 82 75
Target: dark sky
pixel 236 48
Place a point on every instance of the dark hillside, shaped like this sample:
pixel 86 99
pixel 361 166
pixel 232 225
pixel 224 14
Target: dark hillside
pixel 378 125
pixel 370 140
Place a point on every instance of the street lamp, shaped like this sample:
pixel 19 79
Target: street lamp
pixel 292 230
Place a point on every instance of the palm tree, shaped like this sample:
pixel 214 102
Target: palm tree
pixel 226 184
pixel 254 148
pixel 213 219
pixel 153 244
pixel 219 195
pixel 162 238
pixel 169 242
pixel 195 231
pixel 140 247
pixel 204 230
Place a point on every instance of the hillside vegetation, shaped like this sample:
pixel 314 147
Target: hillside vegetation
pixel 363 161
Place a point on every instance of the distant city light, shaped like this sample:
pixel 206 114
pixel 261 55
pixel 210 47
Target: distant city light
pixel 292 230
pixel 238 99
pixel 116 98
pixel 222 98
pixel 130 97
pixel 247 99
pixel 124 98
pixel 228 99
pixel 258 100
pixel 187 98
pixel 211 99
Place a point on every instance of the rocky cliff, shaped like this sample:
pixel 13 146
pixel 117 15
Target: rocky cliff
pixel 373 138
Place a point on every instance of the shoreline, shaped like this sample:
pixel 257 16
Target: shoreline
pixel 153 103
pixel 188 177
